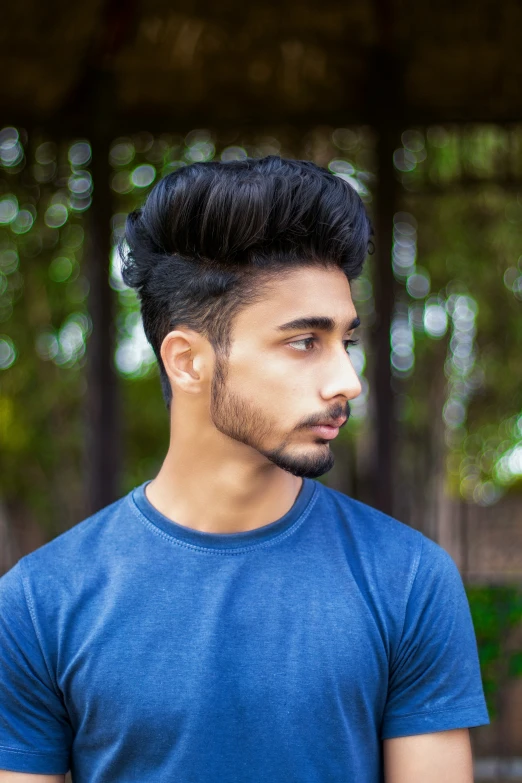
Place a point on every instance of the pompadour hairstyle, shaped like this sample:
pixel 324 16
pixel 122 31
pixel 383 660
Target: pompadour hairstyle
pixel 211 236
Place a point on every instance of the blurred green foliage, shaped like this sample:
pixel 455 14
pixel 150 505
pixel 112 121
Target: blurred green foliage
pixel 457 252
pixel 496 613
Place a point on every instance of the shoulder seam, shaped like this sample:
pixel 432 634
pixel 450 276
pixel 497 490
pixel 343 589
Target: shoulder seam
pixel 413 576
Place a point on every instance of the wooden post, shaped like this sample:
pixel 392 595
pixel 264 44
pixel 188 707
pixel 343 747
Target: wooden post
pixel 385 103
pixel 103 439
pixel 95 99
pixel 384 286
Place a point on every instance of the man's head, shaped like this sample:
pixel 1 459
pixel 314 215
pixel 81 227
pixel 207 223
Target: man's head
pixel 222 255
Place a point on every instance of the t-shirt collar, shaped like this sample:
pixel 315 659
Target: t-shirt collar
pixel 226 541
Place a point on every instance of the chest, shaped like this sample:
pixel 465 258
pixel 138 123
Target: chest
pixel 224 647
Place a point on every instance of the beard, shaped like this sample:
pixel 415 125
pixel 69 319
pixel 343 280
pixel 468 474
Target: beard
pixel 241 420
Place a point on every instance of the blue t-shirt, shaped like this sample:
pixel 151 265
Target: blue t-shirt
pixel 133 648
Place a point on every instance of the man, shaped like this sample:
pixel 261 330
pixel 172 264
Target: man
pixel 233 619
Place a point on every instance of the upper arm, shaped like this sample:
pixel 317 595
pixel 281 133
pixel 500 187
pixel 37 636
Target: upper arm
pixel 35 732
pixel 434 678
pixel 442 755
pixel 22 777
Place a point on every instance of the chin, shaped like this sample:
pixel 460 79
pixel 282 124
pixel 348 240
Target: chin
pixel 309 464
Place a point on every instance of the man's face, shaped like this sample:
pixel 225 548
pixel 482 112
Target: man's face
pixel 278 383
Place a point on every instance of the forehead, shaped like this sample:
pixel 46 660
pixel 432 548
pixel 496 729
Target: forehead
pixel 300 292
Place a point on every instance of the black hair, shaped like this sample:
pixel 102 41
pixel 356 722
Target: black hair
pixel 210 236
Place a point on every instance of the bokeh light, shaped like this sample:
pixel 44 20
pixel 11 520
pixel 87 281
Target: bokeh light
pixel 7 352
pixel 233 153
pixel 143 176
pixel 11 150
pixel 56 215
pixel 8 209
pixel 80 153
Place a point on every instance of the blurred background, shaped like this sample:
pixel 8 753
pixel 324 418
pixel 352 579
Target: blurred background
pixel 418 106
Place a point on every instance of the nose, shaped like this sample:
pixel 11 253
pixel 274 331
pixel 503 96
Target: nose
pixel 340 378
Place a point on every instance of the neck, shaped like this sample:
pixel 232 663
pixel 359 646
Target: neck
pixel 221 493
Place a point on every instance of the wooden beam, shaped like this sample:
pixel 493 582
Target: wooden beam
pixel 69 125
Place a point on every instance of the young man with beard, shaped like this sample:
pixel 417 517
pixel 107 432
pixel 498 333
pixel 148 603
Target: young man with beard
pixel 232 619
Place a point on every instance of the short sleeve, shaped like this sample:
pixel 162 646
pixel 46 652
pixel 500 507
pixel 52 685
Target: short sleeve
pixel 35 734
pixel 435 682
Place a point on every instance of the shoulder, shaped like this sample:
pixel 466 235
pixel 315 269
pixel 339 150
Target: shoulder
pixel 389 548
pixel 369 526
pixel 81 538
pixel 68 561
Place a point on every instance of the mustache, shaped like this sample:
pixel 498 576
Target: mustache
pixel 338 413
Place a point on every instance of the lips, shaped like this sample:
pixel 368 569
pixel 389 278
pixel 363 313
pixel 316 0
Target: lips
pixel 328 429
pixel 325 431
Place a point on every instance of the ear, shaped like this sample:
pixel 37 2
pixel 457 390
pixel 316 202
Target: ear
pixel 185 355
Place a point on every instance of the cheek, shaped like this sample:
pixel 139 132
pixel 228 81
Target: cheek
pixel 265 381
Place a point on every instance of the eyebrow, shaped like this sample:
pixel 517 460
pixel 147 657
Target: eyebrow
pixel 321 322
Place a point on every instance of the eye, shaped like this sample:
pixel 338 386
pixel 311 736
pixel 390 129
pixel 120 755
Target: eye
pixel 302 342
pixel 350 342
pixel 314 340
